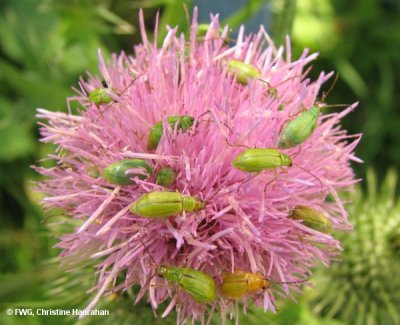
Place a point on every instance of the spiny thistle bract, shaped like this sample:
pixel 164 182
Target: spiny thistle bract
pixel 364 286
pixel 224 219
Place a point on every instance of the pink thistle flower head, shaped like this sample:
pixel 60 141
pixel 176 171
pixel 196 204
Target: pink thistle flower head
pixel 252 193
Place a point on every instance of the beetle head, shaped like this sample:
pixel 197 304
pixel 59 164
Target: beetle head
pixel 161 270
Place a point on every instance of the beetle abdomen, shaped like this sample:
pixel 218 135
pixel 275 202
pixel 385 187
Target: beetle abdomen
pixel 158 205
pixel 199 285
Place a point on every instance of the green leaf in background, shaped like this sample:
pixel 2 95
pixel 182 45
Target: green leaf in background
pixel 15 134
pixel 313 25
pixel 244 14
pixel 174 15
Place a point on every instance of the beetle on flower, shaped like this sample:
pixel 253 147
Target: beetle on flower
pixel 221 229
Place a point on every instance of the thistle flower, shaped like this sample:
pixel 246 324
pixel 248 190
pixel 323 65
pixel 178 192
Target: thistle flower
pixel 364 287
pixel 243 219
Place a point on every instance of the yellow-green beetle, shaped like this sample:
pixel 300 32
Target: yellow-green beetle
pixel 239 284
pixel 100 96
pixel 299 129
pixel 93 171
pixel 202 30
pixel 199 285
pixel 165 204
pixel 259 159
pixel 166 176
pixel 243 71
pixel 312 218
pixel 116 173
pixel 156 132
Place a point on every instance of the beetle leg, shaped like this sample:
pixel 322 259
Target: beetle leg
pixel 247 180
pixel 236 145
pixel 271 181
pixel 308 172
pixel 324 95
pixel 298 151
pixel 256 297
pixel 157 285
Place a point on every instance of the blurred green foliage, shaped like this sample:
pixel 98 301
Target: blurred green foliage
pixel 364 287
pixel 359 40
pixel 45 45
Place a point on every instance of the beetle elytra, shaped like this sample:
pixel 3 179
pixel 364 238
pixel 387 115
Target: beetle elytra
pixel 243 71
pixel 100 96
pixel 165 204
pixel 116 173
pixel 240 284
pixel 198 284
pixel 299 129
pixel 259 159
pixel 156 132
pixel 166 176
pixel 312 218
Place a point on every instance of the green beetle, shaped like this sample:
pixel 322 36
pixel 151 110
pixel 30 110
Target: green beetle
pixel 202 30
pixel 299 129
pixel 259 159
pixel 199 285
pixel 165 204
pixel 93 171
pixel 115 173
pixel 166 176
pixel 312 218
pixel 243 72
pixel 100 96
pixel 156 132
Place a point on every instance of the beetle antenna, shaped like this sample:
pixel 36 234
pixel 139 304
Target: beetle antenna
pixel 310 173
pixel 124 90
pixel 255 298
pixel 151 278
pixel 282 82
pixel 247 180
pixel 236 145
pixel 146 249
pixel 202 114
pixel 324 95
pixel 296 154
pixel 288 282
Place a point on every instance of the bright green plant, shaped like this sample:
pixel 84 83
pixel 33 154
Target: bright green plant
pixel 364 286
